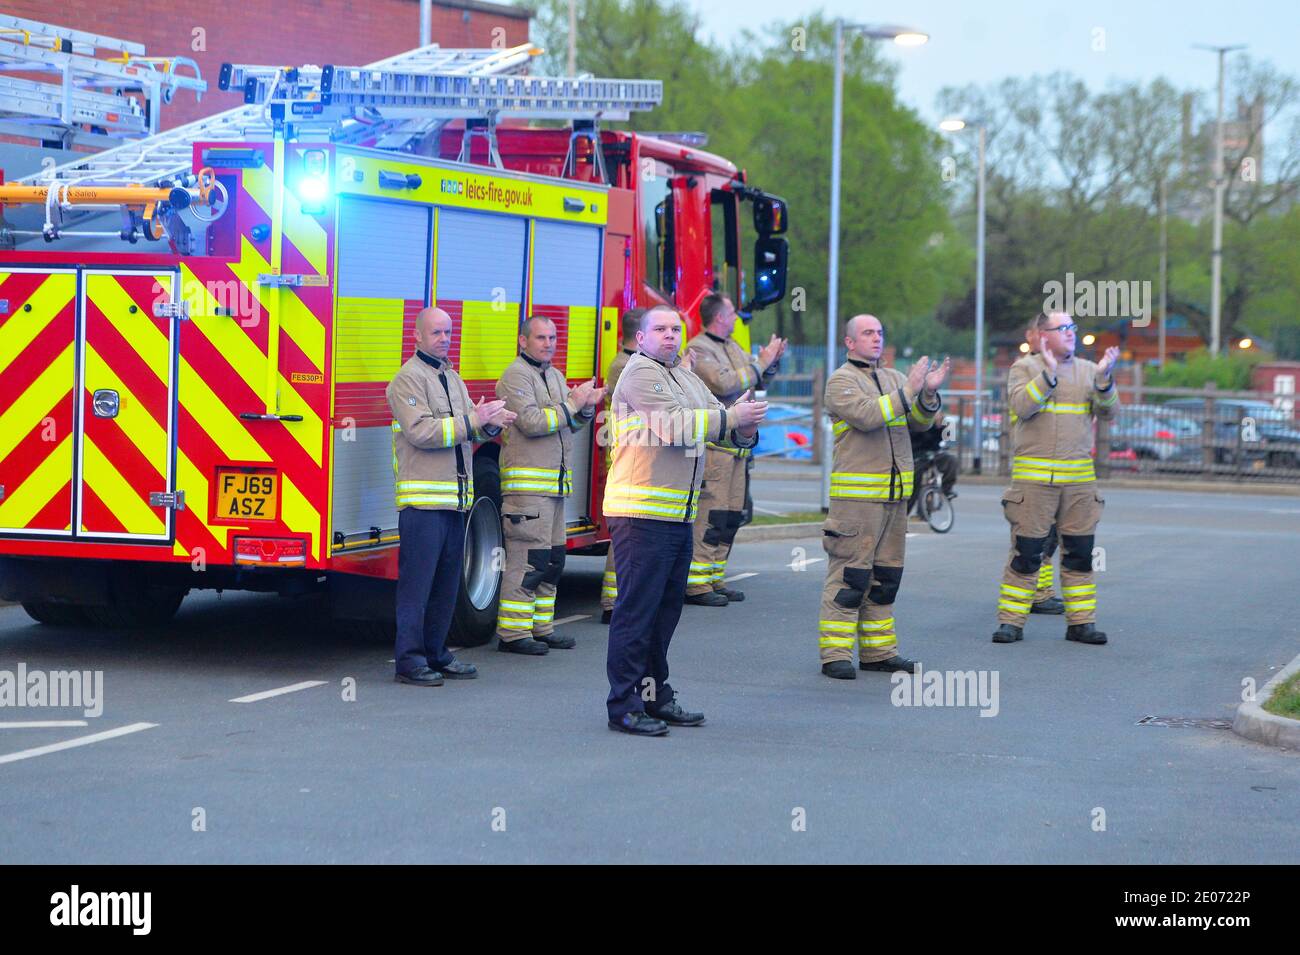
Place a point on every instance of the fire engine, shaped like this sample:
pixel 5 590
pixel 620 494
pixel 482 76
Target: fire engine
pixel 197 326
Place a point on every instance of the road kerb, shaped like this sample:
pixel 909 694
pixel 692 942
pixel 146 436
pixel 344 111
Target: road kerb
pixel 1254 722
pixel 776 532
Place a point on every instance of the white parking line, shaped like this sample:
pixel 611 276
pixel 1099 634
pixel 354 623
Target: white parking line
pixel 576 616
pixel 42 724
pixel 801 564
pixel 79 741
pixel 280 691
pixel 727 580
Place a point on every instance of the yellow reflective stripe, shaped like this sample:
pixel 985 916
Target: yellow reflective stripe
pixel 878 640
pixel 701 424
pixel 647 490
pixel 518 605
pixel 1045 576
pixel 863 477
pixel 1058 464
pixel 1059 407
pixel 427 486
pixel 734 452
pixel 1015 591
pixel 886 407
pixel 448 431
pixel 872 626
pixel 515 623
pixel 1078 590
pixel 531 472
pixel 921 417
pixel 626 424
pixel 1012 606
pixel 552 419
pixel 1035 391
pixel 837 626
pixel 839 427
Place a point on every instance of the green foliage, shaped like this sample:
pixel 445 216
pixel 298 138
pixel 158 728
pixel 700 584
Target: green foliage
pixel 766 104
pixel 1229 372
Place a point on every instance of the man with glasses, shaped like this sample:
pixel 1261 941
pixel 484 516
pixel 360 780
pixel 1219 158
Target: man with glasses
pixel 1045 599
pixel 1054 397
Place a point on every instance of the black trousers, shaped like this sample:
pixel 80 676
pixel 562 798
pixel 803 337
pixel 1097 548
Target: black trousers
pixel 428 582
pixel 652 560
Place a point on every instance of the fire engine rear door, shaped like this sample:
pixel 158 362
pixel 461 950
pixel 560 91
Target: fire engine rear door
pixel 37 374
pixel 126 405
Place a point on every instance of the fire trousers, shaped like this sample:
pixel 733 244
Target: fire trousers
pixel 1032 510
pixel 535 549
pixel 864 542
pixel 722 506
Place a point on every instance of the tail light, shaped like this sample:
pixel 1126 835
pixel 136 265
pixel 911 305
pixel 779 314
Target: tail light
pixel 271 551
pixel 1165 435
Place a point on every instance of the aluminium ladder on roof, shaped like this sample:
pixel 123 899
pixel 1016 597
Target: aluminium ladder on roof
pixel 91 91
pixel 427 86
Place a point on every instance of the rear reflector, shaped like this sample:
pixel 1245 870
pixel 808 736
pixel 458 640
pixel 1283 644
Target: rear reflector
pixel 270 551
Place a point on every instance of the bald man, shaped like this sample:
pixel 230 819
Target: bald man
pixel 536 476
pixel 872 409
pixel 434 429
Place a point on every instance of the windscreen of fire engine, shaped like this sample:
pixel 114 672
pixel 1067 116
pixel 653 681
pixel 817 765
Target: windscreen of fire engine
pixel 657 233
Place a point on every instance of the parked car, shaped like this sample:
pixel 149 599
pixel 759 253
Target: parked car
pixel 1276 440
pixel 1156 433
pixel 790 441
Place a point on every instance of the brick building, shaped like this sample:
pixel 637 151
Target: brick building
pixel 288 32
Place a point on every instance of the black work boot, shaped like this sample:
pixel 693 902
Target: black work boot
pixel 1084 633
pixel 527 646
pixel 890 665
pixel 711 599
pixel 733 596
pixel 839 670
pixel 1052 605
pixel 423 676
pixel 673 714
pixel 557 641
pixel 639 724
pixel 1008 633
pixel 606 616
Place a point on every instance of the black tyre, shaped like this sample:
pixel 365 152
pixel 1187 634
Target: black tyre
pixel 136 604
pixel 475 618
pixel 55 615
pixel 939 512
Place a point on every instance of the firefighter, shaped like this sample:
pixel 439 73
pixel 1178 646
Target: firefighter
pixel 872 408
pixel 1045 599
pixel 536 477
pixel 1054 397
pixel 662 416
pixel 729 372
pixel 434 428
pixel 627 348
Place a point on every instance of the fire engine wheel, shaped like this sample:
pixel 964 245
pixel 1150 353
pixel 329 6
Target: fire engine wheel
pixel 153 607
pixel 475 618
pixel 55 615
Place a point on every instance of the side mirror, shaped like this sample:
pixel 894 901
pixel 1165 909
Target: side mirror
pixel 771 216
pixel 770 255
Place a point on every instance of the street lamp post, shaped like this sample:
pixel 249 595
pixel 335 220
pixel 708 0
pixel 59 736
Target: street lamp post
pixel 1220 186
pixel 903 36
pixel 977 453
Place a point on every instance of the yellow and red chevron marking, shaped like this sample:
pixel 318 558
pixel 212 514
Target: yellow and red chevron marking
pixel 126 457
pixel 37 375
pixel 223 373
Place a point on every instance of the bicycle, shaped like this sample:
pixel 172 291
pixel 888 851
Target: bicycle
pixel 928 500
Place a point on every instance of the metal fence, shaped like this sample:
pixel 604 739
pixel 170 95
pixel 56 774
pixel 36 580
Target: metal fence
pixel 1156 433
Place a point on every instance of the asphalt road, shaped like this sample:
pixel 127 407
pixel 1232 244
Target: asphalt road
pixel 1198 594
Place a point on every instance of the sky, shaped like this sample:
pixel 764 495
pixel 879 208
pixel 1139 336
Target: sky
pixel 983 42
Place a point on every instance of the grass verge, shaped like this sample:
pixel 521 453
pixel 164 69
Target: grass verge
pixel 1285 700
pixel 797 517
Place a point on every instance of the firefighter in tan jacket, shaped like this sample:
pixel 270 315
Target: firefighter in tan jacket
pixel 1054 397
pixel 871 408
pixel 729 371
pixel 434 429
pixel 662 417
pixel 536 477
pixel 1045 599
pixel 629 325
